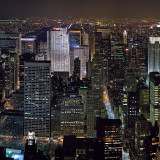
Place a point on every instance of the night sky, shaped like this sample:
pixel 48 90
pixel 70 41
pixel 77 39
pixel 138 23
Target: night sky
pixel 61 8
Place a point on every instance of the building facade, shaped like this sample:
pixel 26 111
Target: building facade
pixel 37 98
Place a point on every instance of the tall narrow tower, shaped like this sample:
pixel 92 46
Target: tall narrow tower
pixel 125 37
pixel 154 54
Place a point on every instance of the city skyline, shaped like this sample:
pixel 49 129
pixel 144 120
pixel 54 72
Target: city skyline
pixel 76 87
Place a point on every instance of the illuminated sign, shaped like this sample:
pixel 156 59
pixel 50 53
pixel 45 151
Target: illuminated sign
pixel 27 39
pixel 13 153
pixel 155 143
pixel 18 156
pixel 55 29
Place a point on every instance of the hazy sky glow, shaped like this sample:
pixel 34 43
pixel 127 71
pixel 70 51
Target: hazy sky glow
pixel 61 8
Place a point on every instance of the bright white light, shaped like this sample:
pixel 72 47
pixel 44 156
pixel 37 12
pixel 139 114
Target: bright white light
pixel 27 39
pixel 18 156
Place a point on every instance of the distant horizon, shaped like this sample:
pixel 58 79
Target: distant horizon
pixel 76 8
pixel 79 17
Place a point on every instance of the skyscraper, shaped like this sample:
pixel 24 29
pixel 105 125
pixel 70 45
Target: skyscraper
pixel 9 72
pixel 154 54
pixel 72 116
pixel 37 98
pixel 105 32
pixel 12 43
pixel 75 40
pixel 95 95
pixel 154 92
pixel 109 133
pixel 58 49
pixel 142 129
pixel 83 53
pixel 125 37
pixel 77 64
pixel 133 109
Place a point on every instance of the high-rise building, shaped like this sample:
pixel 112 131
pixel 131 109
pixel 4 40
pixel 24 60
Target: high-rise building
pixel 133 108
pixel 30 152
pixel 105 32
pixel 9 72
pixel 158 148
pixel 75 40
pixel 11 123
pixel 26 57
pixel 142 129
pixel 58 49
pixel 103 47
pixel 86 39
pixel 154 92
pixel 77 148
pixel 141 63
pixel 72 116
pixel 95 95
pixel 77 65
pixel 92 99
pixel 109 133
pixel 37 98
pixel 158 29
pixel 154 54
pixel 97 41
pixel 31 146
pixel 28 45
pixel 97 72
pixel 12 43
pixel 83 53
pixel 43 49
pixel 130 81
pixel 125 37
pixel 144 102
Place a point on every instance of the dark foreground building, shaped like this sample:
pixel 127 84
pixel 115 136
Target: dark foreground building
pixel 109 136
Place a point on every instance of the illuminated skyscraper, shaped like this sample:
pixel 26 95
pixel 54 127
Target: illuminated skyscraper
pixel 12 43
pixel 37 98
pixel 83 53
pixel 95 95
pixel 133 109
pixel 75 38
pixel 85 39
pixel 154 91
pixel 97 74
pixel 9 73
pixel 125 37
pixel 58 49
pixel 154 54
pixel 72 116
pixel 43 49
